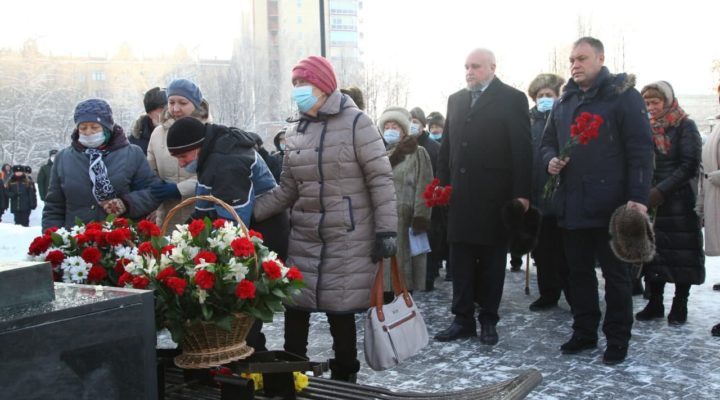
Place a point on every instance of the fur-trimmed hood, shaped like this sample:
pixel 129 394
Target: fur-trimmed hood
pixel 605 84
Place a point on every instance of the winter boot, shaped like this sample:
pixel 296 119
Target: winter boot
pixel 653 309
pixel 638 288
pixel 678 311
pixel 342 372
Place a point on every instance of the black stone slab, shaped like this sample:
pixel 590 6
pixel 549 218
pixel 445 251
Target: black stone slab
pixel 23 282
pixel 90 342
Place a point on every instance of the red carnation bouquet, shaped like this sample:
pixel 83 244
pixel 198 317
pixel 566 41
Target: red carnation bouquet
pixel 96 252
pixel 585 129
pixel 209 271
pixel 435 195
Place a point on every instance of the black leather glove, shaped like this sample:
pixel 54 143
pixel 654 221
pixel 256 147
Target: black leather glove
pixel 419 225
pixel 656 198
pixel 385 246
pixel 164 191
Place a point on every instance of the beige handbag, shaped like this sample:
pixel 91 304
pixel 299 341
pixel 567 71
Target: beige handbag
pixel 395 331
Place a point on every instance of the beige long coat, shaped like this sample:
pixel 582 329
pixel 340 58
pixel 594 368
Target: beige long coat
pixel 338 181
pixel 709 193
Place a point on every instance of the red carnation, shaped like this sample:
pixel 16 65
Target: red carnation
pixel 124 278
pixel 147 248
pixel 256 234
pixel 205 279
pixel 118 236
pixel 219 223
pixel 196 226
pixel 93 226
pixel 140 282
pixel 167 249
pixel 120 223
pixel 294 274
pixel 208 256
pixel 96 235
pixel 148 228
pixel 176 284
pixel 81 239
pixel 272 269
pixel 96 273
pixel 242 247
pixel 245 289
pixel 39 245
pixel 120 265
pixel 91 255
pixel 50 230
pixel 55 257
pixel 168 272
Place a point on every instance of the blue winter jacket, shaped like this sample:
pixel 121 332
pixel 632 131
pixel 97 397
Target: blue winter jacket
pixel 610 170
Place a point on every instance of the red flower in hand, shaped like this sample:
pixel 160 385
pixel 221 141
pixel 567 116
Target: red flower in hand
pixel 55 257
pixel 148 228
pixel 242 247
pixel 91 255
pixel 140 282
pixel 39 245
pixel 245 290
pixel 272 269
pixel 166 273
pixel 256 234
pixel 147 248
pixel 196 227
pixel 96 273
pixel 219 223
pixel 208 256
pixel 205 279
pixel 176 284
pixel 294 274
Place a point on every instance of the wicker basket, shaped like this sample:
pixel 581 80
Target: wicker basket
pixel 205 344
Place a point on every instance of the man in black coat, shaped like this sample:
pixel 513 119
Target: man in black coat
pixel 43 178
pixel 614 169
pixel 486 155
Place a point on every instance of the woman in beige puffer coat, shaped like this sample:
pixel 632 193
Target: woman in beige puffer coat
pixel 165 165
pixel 338 181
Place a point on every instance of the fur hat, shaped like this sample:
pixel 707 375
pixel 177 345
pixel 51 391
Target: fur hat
pixel 317 71
pixel 419 114
pixel 186 89
pixel 18 168
pixel 357 95
pixel 545 81
pixel 632 238
pixel 154 98
pixel 94 110
pixel 184 135
pixel 397 114
pixel 663 88
pixel 435 118
pixel 523 227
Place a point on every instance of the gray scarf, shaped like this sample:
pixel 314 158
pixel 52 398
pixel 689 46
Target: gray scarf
pixel 102 188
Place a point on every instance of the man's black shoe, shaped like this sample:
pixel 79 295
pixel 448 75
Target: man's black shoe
pixel 454 332
pixel 577 344
pixel 488 334
pixel 543 303
pixel 716 286
pixel 715 331
pixel 614 354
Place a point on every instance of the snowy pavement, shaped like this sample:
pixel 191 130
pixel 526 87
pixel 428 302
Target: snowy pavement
pixel 664 362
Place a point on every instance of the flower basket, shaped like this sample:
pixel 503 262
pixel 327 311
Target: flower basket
pixel 206 345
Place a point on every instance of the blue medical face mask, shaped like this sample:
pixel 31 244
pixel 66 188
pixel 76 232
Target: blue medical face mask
pixel 92 141
pixel 391 136
pixel 545 104
pixel 414 129
pixel 304 98
pixel 192 167
pixel 282 146
pixel 435 136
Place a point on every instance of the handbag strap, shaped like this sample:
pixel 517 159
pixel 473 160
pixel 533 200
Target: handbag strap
pixel 376 295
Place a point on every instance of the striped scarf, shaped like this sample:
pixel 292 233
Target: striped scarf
pixel 672 117
pixel 102 188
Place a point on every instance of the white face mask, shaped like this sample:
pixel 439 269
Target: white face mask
pixel 92 141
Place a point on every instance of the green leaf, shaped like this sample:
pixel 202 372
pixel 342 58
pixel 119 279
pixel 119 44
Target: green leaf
pixel 275 306
pixel 207 312
pixel 261 288
pixel 110 218
pixel 56 239
pixel 224 323
pixel 262 314
pixel 79 222
pixel 279 293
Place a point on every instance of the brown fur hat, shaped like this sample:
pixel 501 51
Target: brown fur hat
pixel 632 238
pixel 543 81
pixel 523 227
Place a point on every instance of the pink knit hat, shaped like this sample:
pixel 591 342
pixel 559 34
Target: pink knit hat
pixel 318 71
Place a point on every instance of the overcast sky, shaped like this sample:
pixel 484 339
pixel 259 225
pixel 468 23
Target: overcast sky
pixel 425 39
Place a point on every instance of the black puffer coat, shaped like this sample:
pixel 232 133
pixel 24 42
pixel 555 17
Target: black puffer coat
pixel 538 120
pixel 21 194
pixel 678 237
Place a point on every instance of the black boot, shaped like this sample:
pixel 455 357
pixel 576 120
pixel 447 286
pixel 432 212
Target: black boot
pixel 715 331
pixel 346 372
pixel 653 309
pixel 678 311
pixel 638 288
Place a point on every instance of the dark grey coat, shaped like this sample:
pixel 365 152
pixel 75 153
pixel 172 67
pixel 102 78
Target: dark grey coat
pixel 70 193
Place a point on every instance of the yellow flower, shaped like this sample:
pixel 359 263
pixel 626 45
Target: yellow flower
pixel 257 379
pixel 301 381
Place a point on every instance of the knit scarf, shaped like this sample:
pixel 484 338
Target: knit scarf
pixel 102 188
pixel 670 118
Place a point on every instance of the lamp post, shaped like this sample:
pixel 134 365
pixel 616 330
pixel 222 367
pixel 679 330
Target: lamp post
pixel 322 28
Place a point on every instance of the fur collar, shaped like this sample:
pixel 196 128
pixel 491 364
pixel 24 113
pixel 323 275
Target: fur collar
pixel 406 147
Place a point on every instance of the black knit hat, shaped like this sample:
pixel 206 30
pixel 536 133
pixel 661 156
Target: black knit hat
pixel 18 168
pixel 184 135
pixel 154 98
pixel 435 118
pixel 419 114
pixel 27 169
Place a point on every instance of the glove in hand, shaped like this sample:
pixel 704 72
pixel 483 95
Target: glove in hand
pixel 384 247
pixel 114 206
pixel 165 191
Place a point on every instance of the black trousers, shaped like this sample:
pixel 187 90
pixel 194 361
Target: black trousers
pixel 433 267
pixel 582 248
pixel 342 329
pixel 553 274
pixel 22 218
pixel 478 276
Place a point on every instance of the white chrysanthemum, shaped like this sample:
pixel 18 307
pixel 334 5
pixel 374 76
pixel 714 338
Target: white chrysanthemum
pixel 75 269
pixel 75 230
pixel 202 295
pixel 237 270
pixel 125 252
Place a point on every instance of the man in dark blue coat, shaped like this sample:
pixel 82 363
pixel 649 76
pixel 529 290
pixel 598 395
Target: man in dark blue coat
pixel 612 170
pixel 486 156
